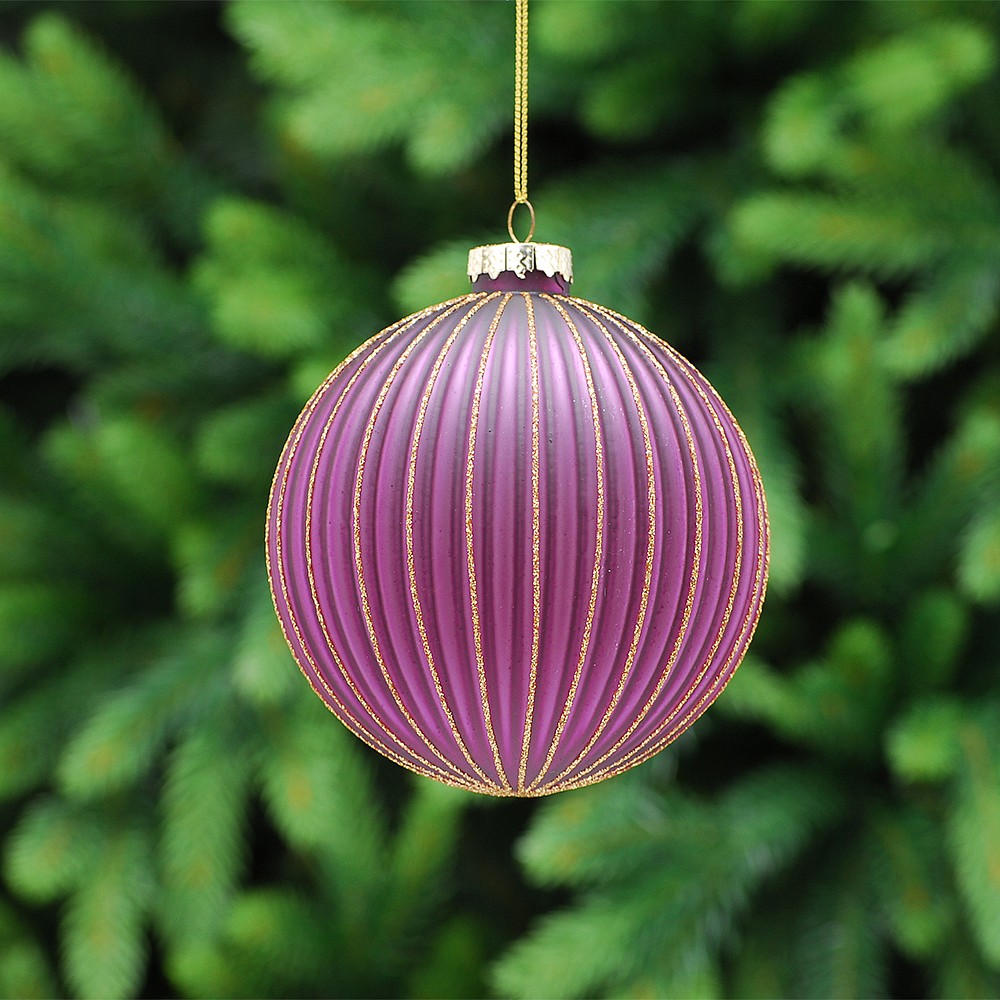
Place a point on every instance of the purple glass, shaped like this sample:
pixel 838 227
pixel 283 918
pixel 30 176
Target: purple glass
pixel 516 542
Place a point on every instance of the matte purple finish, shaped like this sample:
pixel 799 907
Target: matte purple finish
pixel 517 543
pixel 533 281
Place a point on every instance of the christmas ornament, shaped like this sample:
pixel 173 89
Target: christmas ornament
pixel 516 542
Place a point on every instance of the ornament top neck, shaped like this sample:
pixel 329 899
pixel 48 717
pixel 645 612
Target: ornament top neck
pixel 521 267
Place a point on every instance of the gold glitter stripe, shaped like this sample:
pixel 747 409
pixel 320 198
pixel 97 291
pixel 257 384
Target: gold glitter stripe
pixel 435 771
pixel 470 544
pixel 650 552
pixel 749 623
pixel 763 518
pixel 358 557
pixel 410 560
pixel 595 581
pixel 756 602
pixel 747 629
pixel 650 356
pixel 536 566
pixel 291 447
pixel 697 553
pixel 738 565
pixel 321 618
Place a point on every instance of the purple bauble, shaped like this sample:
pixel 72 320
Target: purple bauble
pixel 517 543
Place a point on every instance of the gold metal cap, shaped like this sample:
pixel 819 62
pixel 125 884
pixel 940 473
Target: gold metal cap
pixel 521 258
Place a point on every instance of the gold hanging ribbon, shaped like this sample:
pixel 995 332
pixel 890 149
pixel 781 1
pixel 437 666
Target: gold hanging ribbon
pixel 521 121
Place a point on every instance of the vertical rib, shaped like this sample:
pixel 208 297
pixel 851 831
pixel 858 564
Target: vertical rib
pixel 410 560
pixel 650 550
pixel 536 581
pixel 470 544
pixel 598 544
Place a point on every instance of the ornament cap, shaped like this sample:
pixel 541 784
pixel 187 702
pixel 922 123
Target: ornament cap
pixel 521 260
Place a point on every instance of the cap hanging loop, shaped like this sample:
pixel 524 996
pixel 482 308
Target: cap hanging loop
pixel 510 220
pixel 521 121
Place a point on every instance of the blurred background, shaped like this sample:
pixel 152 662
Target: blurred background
pixel 205 206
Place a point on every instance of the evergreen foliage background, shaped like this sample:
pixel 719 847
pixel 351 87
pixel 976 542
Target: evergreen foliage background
pixel 203 207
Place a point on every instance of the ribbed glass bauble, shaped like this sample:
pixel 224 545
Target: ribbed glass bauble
pixel 517 543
